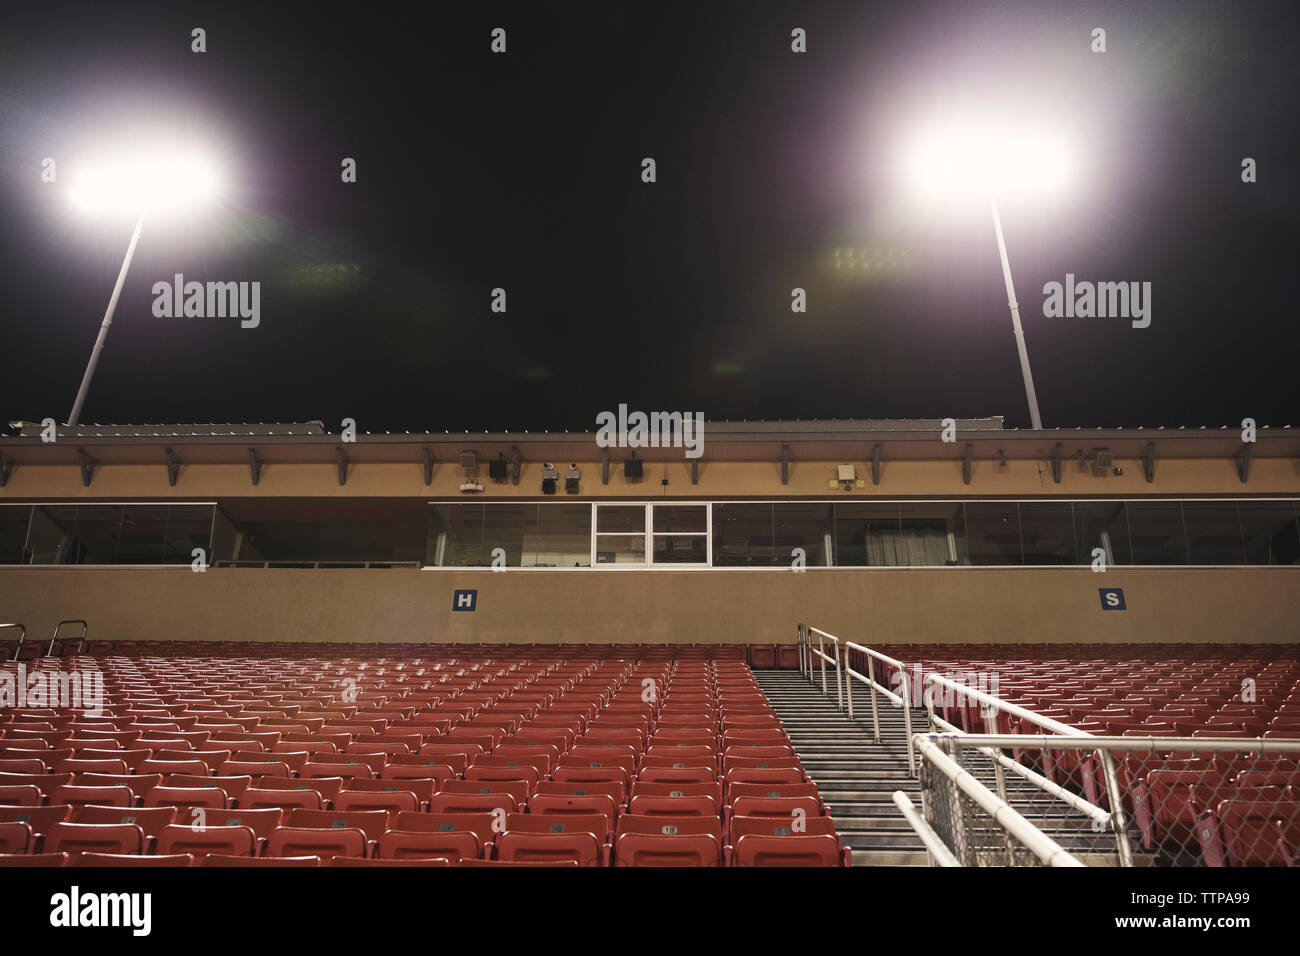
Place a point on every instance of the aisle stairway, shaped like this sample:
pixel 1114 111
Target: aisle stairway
pixel 857 777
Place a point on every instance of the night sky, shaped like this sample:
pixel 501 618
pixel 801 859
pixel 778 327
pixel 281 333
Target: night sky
pixel 522 170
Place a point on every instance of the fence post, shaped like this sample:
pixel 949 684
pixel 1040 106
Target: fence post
pixel 875 711
pixel 1116 809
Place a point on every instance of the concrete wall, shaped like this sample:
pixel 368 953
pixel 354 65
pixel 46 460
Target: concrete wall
pixel 885 605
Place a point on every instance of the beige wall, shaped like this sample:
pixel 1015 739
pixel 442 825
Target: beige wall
pixel 718 480
pixel 887 606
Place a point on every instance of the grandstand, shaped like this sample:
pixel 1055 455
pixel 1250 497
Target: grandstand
pixel 821 644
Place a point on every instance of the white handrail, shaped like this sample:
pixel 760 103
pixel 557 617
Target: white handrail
pixel 1119 824
pixel 904 701
pixel 932 841
pixel 1006 816
pixel 820 652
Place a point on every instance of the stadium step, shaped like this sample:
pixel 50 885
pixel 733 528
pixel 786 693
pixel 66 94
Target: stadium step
pixel 857 777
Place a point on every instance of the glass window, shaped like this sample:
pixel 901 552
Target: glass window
pixel 1047 533
pixel 1103 524
pixel 931 534
pixel 681 518
pixel 563 537
pixel 14 521
pixel 1213 532
pixel 993 532
pixel 620 549
pixel 528 535
pixel 742 536
pixel 866 534
pixel 1271 531
pixel 1157 533
pixel 802 525
pixel 620 518
pixel 681 549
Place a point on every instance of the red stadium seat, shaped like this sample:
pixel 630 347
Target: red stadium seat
pixel 228 840
pixel 754 850
pixel 310 841
pixel 16 838
pixel 95 838
pixel 637 849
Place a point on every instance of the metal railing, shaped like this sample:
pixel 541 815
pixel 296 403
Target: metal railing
pixel 820 652
pixel 18 645
pixel 940 855
pixel 992 705
pixel 1248 750
pixel 845 675
pixel 869 678
pixel 80 638
pixel 964 785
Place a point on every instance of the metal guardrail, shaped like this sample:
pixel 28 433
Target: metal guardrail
pixel 18 645
pixel 1115 817
pixel 1003 814
pixel 939 853
pixel 80 638
pixel 845 675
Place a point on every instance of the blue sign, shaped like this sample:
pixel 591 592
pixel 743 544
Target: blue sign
pixel 465 599
pixel 1112 599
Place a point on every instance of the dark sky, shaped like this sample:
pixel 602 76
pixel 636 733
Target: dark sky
pixel 522 171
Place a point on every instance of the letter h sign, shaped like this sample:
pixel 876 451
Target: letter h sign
pixel 465 599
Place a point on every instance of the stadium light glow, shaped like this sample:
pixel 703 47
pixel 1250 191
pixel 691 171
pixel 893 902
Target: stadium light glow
pixel 152 183
pixel 983 158
pixel 972 158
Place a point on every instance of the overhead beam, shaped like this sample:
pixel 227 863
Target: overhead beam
pixel 876 457
pixel 173 467
pixel 967 459
pixel 87 467
pixel 1149 462
pixel 1242 458
pixel 254 466
pixel 341 459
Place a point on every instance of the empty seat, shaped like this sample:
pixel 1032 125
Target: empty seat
pixel 583 847
pixel 638 849
pixel 150 819
pixel 131 860
pixel 808 850
pixel 33 859
pixel 16 838
pixel 311 841
pixel 228 840
pixel 94 838
pixel 450 844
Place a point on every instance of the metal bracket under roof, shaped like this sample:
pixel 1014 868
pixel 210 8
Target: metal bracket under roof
pixel 428 465
pixel 785 464
pixel 1055 459
pixel 604 466
pixel 87 467
pixel 1149 462
pixel 173 467
pixel 6 468
pixel 254 465
pixel 516 465
pixel 1242 458
pixel 967 460
pixel 877 459
pixel 341 459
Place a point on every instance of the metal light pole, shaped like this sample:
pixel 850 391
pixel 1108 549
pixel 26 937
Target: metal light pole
pixel 1034 417
pixel 108 320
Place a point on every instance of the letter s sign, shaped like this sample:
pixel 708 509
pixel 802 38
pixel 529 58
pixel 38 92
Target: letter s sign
pixel 1112 599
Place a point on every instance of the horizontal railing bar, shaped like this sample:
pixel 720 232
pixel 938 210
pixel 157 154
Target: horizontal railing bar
pixel 928 836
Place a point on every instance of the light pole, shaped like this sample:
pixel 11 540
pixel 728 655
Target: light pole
pixel 156 183
pixel 108 320
pixel 979 157
pixel 1035 419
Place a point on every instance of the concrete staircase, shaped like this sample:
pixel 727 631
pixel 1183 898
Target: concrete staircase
pixel 857 777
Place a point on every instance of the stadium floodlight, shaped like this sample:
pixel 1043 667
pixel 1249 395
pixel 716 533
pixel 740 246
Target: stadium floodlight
pixel 157 183
pixel 982 159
